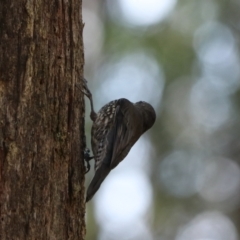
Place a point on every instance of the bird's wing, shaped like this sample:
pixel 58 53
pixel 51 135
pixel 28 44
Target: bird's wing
pixel 122 133
pixel 116 135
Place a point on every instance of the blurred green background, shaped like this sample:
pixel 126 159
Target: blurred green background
pixel 181 180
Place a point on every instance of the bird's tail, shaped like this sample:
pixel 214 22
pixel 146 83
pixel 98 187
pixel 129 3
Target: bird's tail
pixel 97 180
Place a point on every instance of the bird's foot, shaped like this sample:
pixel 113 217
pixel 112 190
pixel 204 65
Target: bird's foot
pixel 87 159
pixel 85 89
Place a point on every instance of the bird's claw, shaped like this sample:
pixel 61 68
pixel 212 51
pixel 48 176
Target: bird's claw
pixel 87 159
pixel 85 89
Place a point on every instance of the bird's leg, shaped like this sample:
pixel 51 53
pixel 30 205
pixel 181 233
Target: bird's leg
pixel 93 116
pixel 87 158
pixel 87 92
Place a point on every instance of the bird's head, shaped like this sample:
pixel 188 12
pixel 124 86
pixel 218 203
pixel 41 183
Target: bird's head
pixel 148 114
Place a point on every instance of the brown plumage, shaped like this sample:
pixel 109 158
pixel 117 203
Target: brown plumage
pixel 116 128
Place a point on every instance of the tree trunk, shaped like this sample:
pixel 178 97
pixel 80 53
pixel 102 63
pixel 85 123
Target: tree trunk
pixel 41 120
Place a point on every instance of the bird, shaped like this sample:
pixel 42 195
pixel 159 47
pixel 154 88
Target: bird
pixel 116 128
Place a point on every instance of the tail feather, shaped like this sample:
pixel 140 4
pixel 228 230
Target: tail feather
pixel 97 180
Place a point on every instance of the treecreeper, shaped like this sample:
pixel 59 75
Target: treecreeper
pixel 116 128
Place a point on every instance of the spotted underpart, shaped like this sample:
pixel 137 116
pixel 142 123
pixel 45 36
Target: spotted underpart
pixel 100 128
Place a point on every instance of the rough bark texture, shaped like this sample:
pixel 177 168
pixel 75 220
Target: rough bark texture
pixel 41 120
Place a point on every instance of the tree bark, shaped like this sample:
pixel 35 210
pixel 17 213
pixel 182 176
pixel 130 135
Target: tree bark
pixel 41 120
